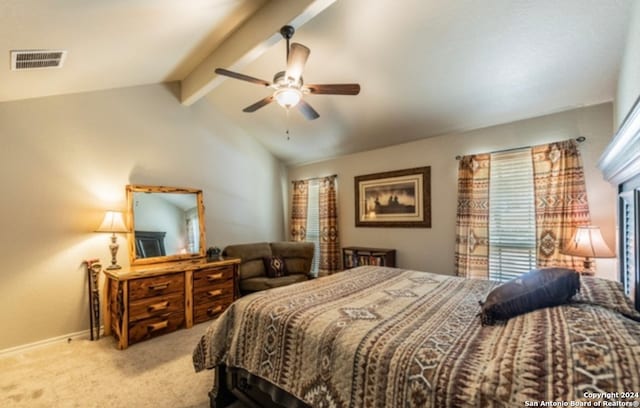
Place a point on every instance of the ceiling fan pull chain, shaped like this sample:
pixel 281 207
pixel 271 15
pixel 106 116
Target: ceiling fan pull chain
pixel 287 131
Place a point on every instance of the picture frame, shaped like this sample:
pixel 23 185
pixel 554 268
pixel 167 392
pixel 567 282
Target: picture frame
pixel 397 199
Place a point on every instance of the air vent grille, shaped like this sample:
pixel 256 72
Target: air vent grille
pixel 37 59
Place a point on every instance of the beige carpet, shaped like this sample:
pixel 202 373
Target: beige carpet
pixel 82 373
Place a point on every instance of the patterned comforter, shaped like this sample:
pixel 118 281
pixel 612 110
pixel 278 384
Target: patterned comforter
pixel 384 337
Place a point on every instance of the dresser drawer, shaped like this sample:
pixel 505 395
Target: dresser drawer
pixel 212 276
pixel 209 310
pixel 156 306
pixel 213 293
pixel 155 326
pixel 155 286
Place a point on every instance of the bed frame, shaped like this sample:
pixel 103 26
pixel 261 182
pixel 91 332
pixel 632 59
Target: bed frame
pixel 620 165
pixel 234 384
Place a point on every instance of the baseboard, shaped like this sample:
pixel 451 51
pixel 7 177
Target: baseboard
pixel 84 334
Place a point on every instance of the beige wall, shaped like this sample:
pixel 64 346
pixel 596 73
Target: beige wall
pixel 432 249
pixel 67 159
pixel 629 79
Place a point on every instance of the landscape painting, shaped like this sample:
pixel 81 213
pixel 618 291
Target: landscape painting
pixel 394 199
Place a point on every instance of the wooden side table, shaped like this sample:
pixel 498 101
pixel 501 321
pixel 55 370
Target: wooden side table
pixel 357 256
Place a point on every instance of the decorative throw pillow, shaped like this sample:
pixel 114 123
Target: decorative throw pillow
pixel 274 266
pixel 608 294
pixel 533 290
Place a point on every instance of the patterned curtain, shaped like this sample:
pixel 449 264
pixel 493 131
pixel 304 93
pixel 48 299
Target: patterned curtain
pixel 561 201
pixel 329 243
pixel 299 210
pixel 472 221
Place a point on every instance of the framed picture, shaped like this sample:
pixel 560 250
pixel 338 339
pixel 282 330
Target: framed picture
pixel 394 199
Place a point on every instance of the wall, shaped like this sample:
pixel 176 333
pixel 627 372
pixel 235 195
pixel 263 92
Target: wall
pixel 432 249
pixel 629 80
pixel 66 159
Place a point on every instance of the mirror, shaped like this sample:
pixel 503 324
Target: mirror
pixel 165 224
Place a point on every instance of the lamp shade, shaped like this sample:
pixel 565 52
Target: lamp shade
pixel 112 222
pixel 587 242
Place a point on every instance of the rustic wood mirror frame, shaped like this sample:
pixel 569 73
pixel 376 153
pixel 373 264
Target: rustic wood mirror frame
pixel 133 255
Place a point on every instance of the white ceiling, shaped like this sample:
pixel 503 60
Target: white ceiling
pixel 112 43
pixel 426 67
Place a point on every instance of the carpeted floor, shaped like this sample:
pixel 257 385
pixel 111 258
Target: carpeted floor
pixel 156 373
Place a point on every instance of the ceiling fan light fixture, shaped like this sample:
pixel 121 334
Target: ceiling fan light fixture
pixel 288 97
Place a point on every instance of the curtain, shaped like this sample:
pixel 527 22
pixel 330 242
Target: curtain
pixel 472 221
pixel 561 201
pixel 329 243
pixel 299 210
pixel 561 205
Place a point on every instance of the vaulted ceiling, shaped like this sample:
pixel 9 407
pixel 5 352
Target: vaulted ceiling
pixel 426 67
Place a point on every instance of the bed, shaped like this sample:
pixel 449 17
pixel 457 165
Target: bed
pixel 386 337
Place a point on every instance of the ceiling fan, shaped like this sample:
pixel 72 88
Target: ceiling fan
pixel 288 85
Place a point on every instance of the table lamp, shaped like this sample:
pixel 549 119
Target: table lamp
pixel 587 242
pixel 113 222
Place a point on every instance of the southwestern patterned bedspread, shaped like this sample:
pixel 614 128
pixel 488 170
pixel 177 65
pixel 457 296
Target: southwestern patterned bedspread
pixel 384 337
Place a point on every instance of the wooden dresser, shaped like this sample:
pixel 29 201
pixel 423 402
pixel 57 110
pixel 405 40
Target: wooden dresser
pixel 146 301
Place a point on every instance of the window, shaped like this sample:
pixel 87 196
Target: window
pixel 516 209
pixel 512 223
pixel 313 222
pixel 193 231
pixel 314 218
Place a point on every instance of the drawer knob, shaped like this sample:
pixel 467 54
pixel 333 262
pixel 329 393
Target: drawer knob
pixel 159 286
pixel 158 326
pixel 214 293
pixel 214 310
pixel 158 306
pixel 214 276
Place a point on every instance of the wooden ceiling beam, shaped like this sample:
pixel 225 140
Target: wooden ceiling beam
pixel 248 42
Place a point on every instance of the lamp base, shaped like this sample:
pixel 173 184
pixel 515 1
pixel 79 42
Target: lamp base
pixel 587 267
pixel 113 248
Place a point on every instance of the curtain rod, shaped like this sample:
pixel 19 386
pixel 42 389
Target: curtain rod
pixel 315 178
pixel 579 139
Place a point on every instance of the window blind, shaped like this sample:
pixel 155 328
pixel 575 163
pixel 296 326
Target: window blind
pixel 313 222
pixel 512 227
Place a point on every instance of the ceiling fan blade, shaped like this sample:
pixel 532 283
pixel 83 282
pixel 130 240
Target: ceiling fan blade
pixel 259 104
pixel 307 111
pixel 334 89
pixel 243 77
pixel 298 55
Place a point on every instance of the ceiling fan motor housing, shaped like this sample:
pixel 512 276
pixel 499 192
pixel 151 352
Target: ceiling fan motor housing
pixel 280 80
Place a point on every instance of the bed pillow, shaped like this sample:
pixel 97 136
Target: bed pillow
pixel 533 290
pixel 608 294
pixel 274 266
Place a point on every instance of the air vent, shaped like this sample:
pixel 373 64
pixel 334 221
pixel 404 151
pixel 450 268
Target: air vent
pixel 37 59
